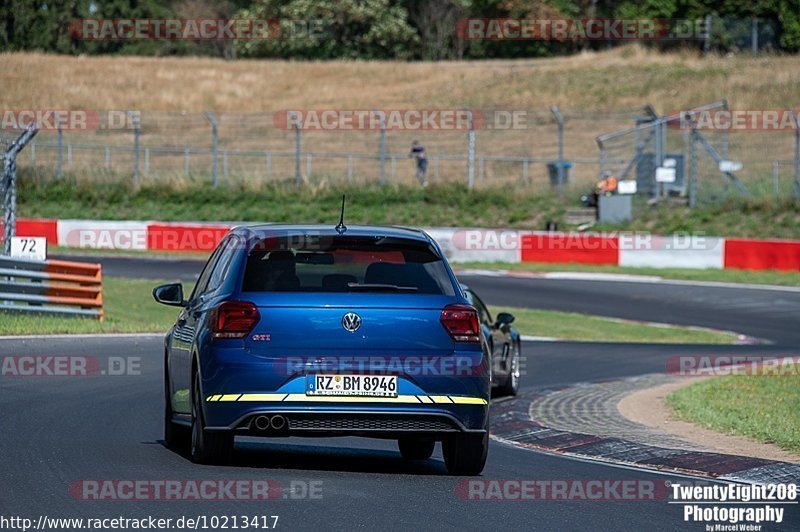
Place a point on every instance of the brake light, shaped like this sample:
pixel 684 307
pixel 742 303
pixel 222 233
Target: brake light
pixel 234 319
pixel 461 321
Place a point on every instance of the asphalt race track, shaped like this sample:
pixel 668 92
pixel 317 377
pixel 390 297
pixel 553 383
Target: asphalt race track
pixel 57 431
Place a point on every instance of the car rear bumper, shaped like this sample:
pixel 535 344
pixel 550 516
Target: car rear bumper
pixel 237 387
pixel 353 418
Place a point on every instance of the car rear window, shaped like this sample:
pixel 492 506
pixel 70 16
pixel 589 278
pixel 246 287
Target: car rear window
pixel 313 263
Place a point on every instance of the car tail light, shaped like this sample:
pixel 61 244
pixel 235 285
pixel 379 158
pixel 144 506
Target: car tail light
pixel 461 321
pixel 234 319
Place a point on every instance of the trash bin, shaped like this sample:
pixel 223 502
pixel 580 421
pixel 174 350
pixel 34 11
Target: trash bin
pixel 552 170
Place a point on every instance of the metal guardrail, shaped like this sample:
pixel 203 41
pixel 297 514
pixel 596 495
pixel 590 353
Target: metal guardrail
pixel 51 287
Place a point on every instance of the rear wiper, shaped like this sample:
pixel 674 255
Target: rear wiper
pixel 380 287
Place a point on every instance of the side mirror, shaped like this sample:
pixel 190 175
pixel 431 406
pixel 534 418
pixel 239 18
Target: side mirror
pixel 169 294
pixel 504 318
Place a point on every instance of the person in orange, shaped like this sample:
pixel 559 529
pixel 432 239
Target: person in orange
pixel 604 187
pixel 607 186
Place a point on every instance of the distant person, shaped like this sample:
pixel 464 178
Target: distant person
pixel 605 187
pixel 418 152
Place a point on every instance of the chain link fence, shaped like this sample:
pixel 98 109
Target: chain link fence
pixel 508 147
pixel 716 153
pixel 536 149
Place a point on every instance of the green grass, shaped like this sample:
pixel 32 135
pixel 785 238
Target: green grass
pixel 446 205
pixel 761 407
pixel 771 277
pixel 583 327
pixel 129 307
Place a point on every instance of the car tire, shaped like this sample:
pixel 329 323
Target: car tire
pixel 412 449
pixel 207 447
pixel 465 454
pixel 176 436
pixel 510 384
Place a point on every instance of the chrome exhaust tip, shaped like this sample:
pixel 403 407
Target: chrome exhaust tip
pixel 261 423
pixel 278 422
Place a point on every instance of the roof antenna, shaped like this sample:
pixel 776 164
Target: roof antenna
pixel 341 228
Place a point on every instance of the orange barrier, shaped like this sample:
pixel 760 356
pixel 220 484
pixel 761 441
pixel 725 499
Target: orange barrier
pixel 51 287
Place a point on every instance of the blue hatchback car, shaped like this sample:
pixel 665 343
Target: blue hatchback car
pixel 320 331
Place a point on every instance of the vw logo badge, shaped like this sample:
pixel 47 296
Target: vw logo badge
pixel 351 321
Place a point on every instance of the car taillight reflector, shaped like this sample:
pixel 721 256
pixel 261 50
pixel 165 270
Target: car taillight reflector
pixel 234 319
pixel 461 321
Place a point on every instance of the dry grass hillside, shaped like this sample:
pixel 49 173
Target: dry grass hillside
pixel 622 78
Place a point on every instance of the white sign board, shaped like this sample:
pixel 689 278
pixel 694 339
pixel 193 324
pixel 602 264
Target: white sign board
pixel 665 175
pixel 669 163
pixel 730 166
pixel 626 186
pixel 29 247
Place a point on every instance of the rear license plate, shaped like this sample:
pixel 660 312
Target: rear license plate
pixel 363 385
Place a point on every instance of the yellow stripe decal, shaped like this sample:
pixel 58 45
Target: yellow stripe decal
pixel 300 397
pixel 267 397
pixel 441 399
pixel 230 397
pixel 468 400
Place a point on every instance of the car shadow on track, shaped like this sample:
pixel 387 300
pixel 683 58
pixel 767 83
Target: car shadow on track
pixel 288 456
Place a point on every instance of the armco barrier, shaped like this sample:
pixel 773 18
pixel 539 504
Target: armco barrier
pixel 460 244
pixel 51 287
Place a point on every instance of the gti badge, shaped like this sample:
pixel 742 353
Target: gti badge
pixel 351 321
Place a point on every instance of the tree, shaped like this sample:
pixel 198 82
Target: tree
pixel 327 29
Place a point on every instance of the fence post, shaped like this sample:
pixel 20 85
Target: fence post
pixel 60 150
pixel 107 158
pixel 471 152
pixel 796 185
pixel 298 144
pixel 214 147
pixel 136 133
pixel 754 36
pixel 693 165
pixel 9 182
pixel 776 179
pixel 560 120
pixel 349 168
pixel 382 119
pixel 603 156
pixel 707 40
pixel 309 157
pixel 147 161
